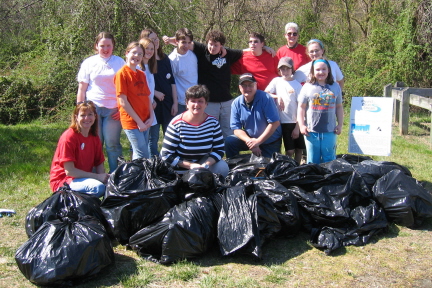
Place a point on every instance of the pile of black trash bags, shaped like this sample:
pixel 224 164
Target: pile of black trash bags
pixel 166 217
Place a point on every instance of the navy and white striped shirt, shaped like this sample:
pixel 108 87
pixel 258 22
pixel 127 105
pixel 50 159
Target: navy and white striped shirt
pixel 185 141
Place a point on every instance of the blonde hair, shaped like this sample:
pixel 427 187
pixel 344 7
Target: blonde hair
pixel 152 64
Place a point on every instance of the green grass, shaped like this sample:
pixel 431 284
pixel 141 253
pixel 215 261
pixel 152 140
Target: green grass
pixel 398 258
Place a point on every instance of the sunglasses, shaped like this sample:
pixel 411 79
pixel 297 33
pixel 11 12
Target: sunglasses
pixel 84 103
pixel 292 33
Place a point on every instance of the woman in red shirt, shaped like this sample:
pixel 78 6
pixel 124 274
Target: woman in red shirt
pixel 79 153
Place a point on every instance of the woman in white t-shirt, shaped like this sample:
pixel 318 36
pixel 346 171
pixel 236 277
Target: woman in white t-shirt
pixel 96 84
pixel 315 50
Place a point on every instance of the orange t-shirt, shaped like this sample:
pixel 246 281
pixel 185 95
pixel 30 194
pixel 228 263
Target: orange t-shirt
pixel 134 85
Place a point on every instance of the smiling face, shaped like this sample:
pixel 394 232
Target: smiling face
pixel 285 71
pixel 291 35
pixel 196 106
pixel 134 56
pixel 85 119
pixel 321 72
pixel 214 47
pixel 105 47
pixel 149 51
pixel 155 39
pixel 315 51
pixel 248 89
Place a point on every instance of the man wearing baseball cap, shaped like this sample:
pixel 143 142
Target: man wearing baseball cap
pixel 254 120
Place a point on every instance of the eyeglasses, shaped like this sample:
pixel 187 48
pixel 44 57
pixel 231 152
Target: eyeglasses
pixel 136 53
pixel 84 103
pixel 314 51
pixel 292 34
pixel 250 85
pixel 253 41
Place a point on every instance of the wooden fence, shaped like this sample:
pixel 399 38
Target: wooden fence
pixel 404 96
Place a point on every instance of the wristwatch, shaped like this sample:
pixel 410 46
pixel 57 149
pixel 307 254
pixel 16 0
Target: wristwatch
pixel 205 165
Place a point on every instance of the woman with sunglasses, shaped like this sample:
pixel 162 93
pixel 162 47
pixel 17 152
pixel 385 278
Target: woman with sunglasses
pixel 79 153
pixel 96 83
pixel 293 49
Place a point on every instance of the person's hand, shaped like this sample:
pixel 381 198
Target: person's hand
pixel 174 110
pixel 338 129
pixel 280 103
pixel 154 104
pixel 252 143
pixel 116 116
pixel 142 126
pixel 160 96
pixel 256 151
pixel 166 39
pixel 304 130
pixel 102 177
pixel 194 165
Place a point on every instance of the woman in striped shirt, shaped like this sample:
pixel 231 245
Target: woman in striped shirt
pixel 194 139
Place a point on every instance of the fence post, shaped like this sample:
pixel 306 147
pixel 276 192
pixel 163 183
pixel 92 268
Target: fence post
pixel 404 111
pixel 388 90
pixel 395 105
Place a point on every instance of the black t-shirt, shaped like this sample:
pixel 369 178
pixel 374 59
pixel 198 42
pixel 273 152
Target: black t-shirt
pixel 214 71
pixel 164 78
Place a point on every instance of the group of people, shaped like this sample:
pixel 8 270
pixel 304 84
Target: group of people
pixel 187 95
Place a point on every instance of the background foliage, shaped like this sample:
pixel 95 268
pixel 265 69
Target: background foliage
pixel 42 43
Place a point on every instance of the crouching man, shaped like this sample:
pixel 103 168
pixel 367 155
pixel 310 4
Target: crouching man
pixel 255 121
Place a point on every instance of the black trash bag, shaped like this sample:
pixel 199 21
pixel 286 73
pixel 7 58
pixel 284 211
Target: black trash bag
pixel 338 165
pixel 304 176
pixel 243 172
pixel 198 182
pixel 138 194
pixel 353 159
pixel 237 226
pixel 246 159
pixel 285 205
pixel 279 165
pixel 186 231
pixel 61 202
pixel 64 251
pixel 371 170
pixel 404 199
pixel 367 221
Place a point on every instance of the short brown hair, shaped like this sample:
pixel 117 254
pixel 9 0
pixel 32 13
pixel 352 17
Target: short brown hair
pixel 102 35
pixel 197 92
pixel 257 35
pixel 216 36
pixel 84 106
pixel 182 33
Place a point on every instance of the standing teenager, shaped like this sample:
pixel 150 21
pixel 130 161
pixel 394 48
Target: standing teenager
pixel 134 101
pixel 96 84
pixel 320 107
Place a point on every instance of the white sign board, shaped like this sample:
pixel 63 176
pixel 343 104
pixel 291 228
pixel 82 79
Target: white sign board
pixel 370 126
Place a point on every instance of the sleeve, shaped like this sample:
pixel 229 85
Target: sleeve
pixel 338 92
pixel 170 71
pixel 199 48
pixel 218 149
pixel 84 73
pixel 234 54
pixel 120 83
pixel 169 145
pixel 237 67
pixel 271 88
pixel 67 149
pixel 235 122
pixel 337 74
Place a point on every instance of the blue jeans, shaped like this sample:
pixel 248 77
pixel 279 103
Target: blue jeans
pixel 320 147
pixel 88 186
pixel 222 112
pixel 139 142
pixel 181 109
pixel 109 133
pixel 154 139
pixel 233 146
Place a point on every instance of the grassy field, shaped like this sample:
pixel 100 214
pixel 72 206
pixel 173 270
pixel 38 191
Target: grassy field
pixel 399 258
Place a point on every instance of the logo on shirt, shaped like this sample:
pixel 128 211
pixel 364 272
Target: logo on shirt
pixel 168 76
pixel 219 62
pixel 82 146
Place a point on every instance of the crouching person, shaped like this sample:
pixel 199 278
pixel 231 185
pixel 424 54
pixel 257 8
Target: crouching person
pixel 194 138
pixel 255 121
pixel 79 153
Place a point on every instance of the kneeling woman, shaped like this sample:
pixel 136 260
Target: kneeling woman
pixel 78 152
pixel 194 139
